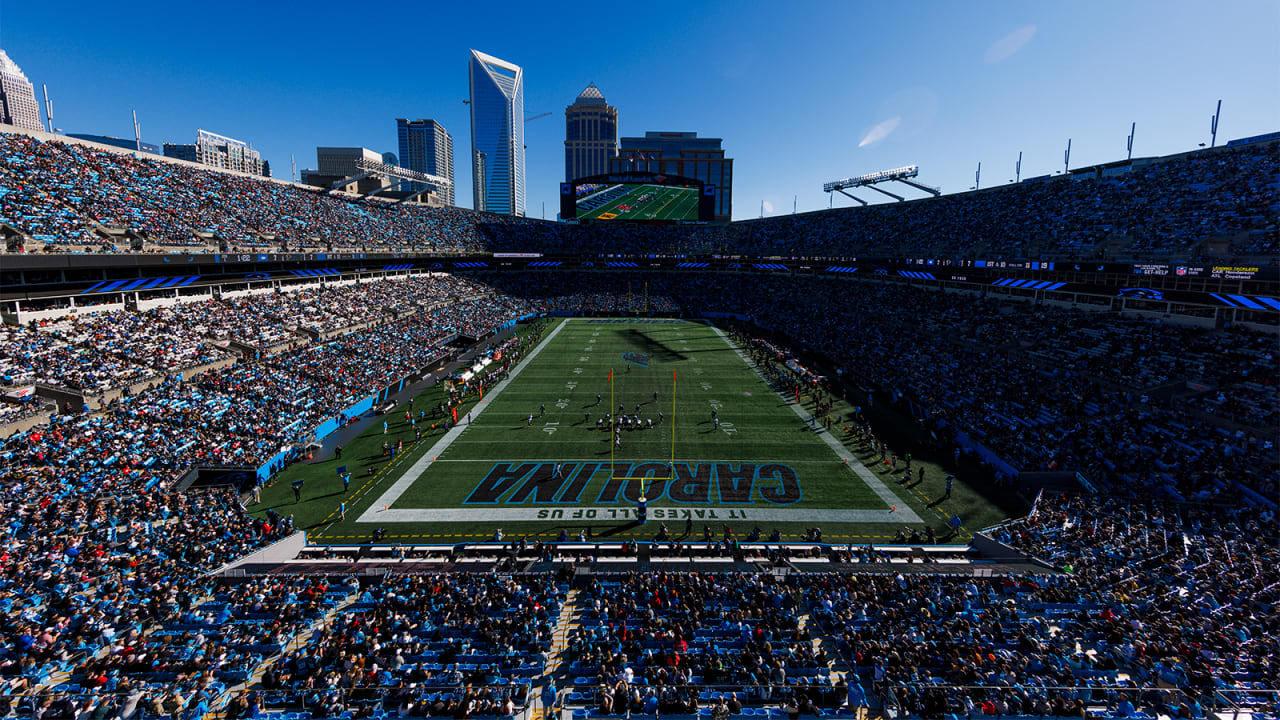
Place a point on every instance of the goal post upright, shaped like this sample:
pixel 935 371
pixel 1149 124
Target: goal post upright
pixel 672 466
pixel 609 414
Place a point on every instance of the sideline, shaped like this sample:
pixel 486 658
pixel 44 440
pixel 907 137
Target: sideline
pixel 903 514
pixel 373 514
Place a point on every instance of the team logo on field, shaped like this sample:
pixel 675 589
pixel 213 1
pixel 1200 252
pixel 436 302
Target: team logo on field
pixel 636 358
pixel 693 483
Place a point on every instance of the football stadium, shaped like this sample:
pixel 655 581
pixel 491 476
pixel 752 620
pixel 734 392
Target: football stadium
pixel 340 447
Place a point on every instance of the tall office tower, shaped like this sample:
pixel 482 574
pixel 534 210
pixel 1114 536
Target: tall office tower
pixel 17 97
pixel 425 146
pixel 497 134
pixel 590 136
pixel 684 154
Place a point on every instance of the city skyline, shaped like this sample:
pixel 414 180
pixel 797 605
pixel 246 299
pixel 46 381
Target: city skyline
pixel 961 85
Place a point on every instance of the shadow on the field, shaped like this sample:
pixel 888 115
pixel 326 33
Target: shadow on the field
pixel 656 349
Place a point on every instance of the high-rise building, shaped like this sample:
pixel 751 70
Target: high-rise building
pixel 425 146
pixel 683 154
pixel 590 136
pixel 337 163
pixel 497 134
pixel 218 151
pixel 18 104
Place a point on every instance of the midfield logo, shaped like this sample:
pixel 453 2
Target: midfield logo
pixel 637 358
pixel 700 483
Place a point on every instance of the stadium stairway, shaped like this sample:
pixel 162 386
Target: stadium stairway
pixel 840 668
pixel 559 641
pixel 565 625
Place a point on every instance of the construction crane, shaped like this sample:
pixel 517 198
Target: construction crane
pixel 535 117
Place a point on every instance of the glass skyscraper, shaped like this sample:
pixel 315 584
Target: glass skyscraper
pixel 427 147
pixel 497 134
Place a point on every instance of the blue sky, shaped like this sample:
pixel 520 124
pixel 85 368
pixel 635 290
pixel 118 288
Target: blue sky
pixel 802 92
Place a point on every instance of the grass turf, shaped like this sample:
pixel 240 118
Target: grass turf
pixel 514 453
pixel 665 203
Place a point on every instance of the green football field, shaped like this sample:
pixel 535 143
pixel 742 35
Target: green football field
pixel 662 203
pixel 537 458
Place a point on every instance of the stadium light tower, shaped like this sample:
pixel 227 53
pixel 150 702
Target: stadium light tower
pixel 1066 159
pixel 1017 168
pixel 902 175
pixel 1133 129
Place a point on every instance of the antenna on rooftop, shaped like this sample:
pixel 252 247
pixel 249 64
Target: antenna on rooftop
pixel 48 106
pixel 1213 125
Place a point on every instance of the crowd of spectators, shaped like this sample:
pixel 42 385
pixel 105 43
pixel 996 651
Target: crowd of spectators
pixel 1163 209
pixel 97 351
pixel 61 193
pixel 86 573
pixel 101 559
pixel 472 640
pixel 103 564
pixel 1154 608
pixel 30 356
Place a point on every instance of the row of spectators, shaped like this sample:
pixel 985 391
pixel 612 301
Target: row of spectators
pixel 62 193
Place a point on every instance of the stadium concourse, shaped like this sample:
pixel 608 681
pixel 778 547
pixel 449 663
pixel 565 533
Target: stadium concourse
pixel 1150 592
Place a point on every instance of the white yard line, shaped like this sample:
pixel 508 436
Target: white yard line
pixel 374 514
pixel 903 513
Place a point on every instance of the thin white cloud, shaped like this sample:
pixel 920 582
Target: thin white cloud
pixel 1006 46
pixel 881 131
